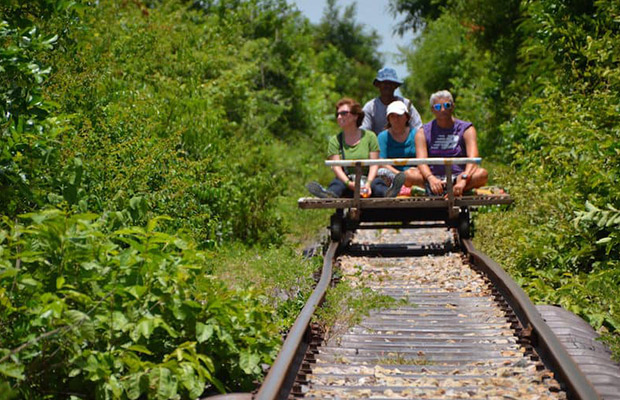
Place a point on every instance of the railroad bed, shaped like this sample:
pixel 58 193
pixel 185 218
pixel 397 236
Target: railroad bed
pixel 452 336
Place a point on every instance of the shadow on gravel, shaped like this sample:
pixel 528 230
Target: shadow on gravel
pixel 399 249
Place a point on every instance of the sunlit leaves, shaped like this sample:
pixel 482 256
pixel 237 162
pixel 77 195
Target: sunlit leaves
pixel 141 320
pixel 12 371
pixel 28 153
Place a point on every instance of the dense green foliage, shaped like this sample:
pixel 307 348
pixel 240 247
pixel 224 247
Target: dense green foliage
pixel 196 132
pixel 150 151
pixel 30 132
pixel 416 13
pixel 541 82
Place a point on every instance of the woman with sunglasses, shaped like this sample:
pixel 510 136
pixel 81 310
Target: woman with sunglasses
pixel 352 143
pixel 447 136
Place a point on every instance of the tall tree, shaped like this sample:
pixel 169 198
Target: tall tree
pixel 351 52
pixel 416 13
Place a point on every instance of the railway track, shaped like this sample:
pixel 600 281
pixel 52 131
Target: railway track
pixel 453 338
pixel 458 331
pixel 463 329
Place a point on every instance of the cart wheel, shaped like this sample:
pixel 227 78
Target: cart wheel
pixel 464 227
pixel 336 228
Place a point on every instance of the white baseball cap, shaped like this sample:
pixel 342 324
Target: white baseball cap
pixel 397 107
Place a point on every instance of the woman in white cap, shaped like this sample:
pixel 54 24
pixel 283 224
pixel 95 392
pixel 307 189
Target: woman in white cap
pixel 398 141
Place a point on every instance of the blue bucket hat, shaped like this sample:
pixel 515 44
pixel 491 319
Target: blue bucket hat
pixel 387 74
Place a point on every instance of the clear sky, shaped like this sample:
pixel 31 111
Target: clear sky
pixel 375 15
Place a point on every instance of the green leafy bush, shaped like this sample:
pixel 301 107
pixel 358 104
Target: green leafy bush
pixel 29 150
pixel 130 313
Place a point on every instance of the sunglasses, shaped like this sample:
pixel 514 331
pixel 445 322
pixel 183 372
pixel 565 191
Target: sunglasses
pixel 447 105
pixel 343 113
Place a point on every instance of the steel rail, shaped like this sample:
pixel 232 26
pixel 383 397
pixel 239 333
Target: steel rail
pixel 404 161
pixel 541 336
pixel 276 379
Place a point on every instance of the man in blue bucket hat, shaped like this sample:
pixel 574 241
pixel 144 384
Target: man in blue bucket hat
pixel 375 117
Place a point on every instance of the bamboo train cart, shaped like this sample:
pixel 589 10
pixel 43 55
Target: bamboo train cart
pixel 402 212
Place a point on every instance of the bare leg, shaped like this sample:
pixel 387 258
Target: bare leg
pixel 414 177
pixel 478 178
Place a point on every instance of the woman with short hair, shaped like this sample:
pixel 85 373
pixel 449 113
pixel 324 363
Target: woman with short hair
pixel 447 136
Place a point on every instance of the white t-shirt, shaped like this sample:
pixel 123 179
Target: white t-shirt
pixel 375 118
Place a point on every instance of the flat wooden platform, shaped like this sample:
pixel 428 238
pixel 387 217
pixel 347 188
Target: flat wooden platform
pixel 404 202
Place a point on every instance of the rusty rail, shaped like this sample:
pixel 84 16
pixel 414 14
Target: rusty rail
pixel 281 372
pixel 542 338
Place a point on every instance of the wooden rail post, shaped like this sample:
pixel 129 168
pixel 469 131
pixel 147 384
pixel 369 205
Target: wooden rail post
pixel 355 212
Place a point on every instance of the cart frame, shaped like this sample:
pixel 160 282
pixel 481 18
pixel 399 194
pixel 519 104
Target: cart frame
pixel 401 212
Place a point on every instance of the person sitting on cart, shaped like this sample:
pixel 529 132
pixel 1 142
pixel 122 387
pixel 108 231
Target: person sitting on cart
pixel 398 141
pixel 447 136
pixel 352 143
pixel 375 116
